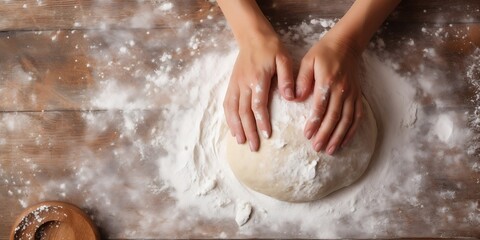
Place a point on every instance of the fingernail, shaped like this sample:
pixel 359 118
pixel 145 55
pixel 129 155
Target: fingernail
pixel 289 93
pixel 251 146
pixel 239 139
pixel 298 92
pixel 317 147
pixel 265 134
pixel 309 134
pixel 331 150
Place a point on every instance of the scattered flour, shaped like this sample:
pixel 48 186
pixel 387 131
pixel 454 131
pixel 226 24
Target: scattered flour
pixel 444 128
pixel 243 213
pixel 34 218
pixel 162 169
pixel 166 6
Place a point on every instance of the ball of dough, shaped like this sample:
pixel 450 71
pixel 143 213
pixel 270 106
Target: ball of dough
pixel 287 168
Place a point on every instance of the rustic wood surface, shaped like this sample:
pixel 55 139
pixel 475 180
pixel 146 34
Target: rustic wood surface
pixel 52 42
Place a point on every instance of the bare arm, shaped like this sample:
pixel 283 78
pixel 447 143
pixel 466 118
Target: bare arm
pixel 246 20
pixel 362 21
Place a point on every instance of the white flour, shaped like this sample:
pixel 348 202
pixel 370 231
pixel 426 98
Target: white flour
pixel 192 168
pixel 35 218
pixel 162 172
pixel 473 78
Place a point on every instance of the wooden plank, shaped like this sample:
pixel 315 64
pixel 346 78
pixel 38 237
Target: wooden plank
pixel 48 79
pixel 45 150
pixel 408 11
pixel 55 70
pixel 94 14
pixel 437 11
pixel 41 149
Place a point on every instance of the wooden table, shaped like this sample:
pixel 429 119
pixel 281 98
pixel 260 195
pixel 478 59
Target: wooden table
pixel 43 136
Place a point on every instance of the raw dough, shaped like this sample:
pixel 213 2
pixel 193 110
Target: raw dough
pixel 287 168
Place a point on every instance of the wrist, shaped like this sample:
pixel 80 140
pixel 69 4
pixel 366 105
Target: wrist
pixel 254 31
pixel 247 21
pixel 347 43
pixel 262 36
pixel 362 20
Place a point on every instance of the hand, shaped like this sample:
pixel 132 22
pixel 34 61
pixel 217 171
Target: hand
pixel 332 68
pixel 246 101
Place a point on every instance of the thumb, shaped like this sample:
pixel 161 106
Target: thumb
pixel 285 76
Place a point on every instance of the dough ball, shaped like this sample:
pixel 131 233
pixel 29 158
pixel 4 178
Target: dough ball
pixel 287 168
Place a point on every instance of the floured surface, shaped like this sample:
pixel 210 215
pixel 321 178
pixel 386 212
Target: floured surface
pixel 157 168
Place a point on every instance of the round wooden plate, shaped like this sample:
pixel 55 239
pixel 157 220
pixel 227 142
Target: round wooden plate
pixel 54 220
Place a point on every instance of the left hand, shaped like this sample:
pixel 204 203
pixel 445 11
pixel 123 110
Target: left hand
pixel 331 69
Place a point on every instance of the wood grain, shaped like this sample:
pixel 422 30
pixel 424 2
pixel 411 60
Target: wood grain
pixel 32 65
pixel 56 55
pixel 91 14
pixel 54 220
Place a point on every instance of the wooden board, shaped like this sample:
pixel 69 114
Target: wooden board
pixel 55 55
pixel 90 14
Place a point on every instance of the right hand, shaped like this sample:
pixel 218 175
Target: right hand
pixel 331 70
pixel 246 100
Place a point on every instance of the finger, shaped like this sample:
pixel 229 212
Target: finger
pixel 230 106
pixel 343 126
pixel 321 97
pixel 285 76
pixel 329 122
pixel 248 121
pixel 304 84
pixel 358 114
pixel 260 107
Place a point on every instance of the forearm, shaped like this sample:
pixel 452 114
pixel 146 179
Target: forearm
pixel 361 22
pixel 246 20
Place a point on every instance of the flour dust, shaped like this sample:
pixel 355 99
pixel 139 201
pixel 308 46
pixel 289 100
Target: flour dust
pixel 158 167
